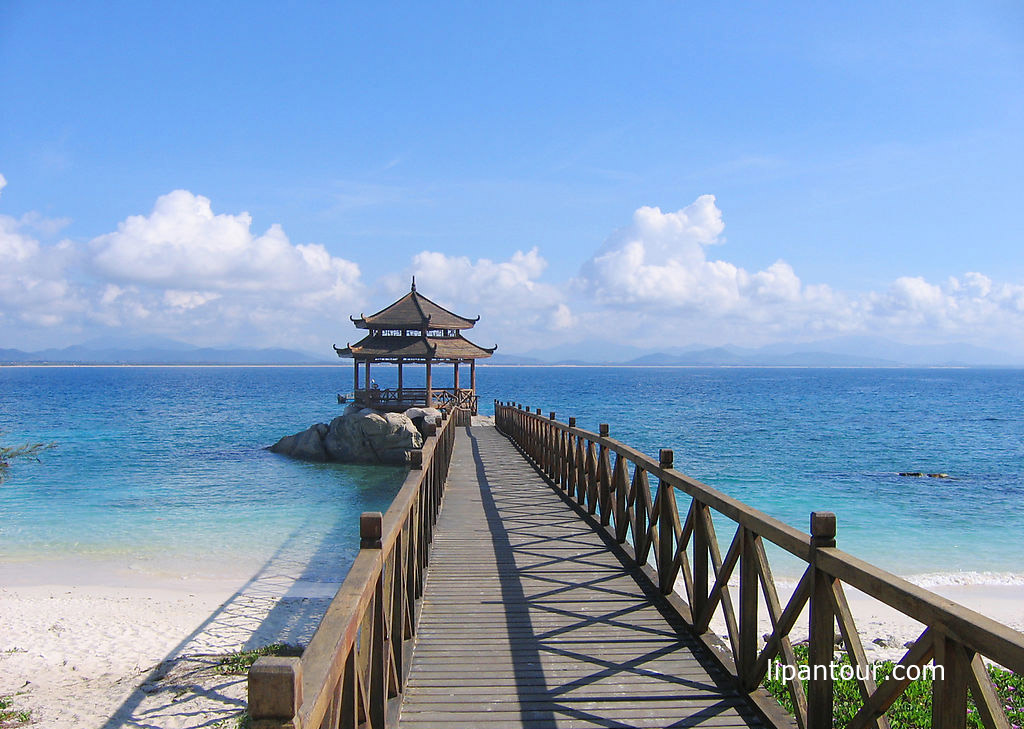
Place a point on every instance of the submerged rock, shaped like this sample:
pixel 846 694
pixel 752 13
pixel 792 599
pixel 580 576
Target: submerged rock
pixel 357 436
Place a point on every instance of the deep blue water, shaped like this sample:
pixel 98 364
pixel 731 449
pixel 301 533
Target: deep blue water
pixel 164 468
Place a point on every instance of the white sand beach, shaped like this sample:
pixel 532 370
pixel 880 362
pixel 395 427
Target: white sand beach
pixel 116 650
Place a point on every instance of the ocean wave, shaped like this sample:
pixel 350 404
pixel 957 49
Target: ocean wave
pixel 939 579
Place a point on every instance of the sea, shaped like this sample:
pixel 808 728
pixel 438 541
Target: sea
pixel 164 472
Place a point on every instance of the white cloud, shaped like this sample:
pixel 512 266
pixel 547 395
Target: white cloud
pixel 186 272
pixel 183 245
pixel 33 282
pixel 660 261
pixel 512 303
pixel 184 269
pixel 654 278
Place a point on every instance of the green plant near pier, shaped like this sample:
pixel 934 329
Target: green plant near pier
pixel 11 717
pixel 29 451
pixel 239 662
pixel 913 709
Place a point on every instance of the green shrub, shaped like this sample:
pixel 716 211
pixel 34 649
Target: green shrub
pixel 913 709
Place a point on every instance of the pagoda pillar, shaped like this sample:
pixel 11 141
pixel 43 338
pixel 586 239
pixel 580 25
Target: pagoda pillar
pixel 456 375
pixel 430 387
pixel 399 379
pixel 472 375
pixel 355 376
pixel 367 378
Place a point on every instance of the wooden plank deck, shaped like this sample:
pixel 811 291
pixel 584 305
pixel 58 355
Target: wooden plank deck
pixel 530 620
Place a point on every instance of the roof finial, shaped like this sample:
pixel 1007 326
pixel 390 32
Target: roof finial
pixel 413 283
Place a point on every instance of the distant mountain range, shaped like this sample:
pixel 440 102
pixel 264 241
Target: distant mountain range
pixel 842 352
pixel 157 352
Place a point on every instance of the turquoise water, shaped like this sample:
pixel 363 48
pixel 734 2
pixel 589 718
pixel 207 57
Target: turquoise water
pixel 163 469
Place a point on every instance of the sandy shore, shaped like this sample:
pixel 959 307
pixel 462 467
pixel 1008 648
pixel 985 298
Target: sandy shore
pixel 118 650
pixel 126 651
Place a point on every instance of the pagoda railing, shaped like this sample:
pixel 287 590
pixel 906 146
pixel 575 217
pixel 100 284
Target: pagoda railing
pixel 443 397
pixel 663 520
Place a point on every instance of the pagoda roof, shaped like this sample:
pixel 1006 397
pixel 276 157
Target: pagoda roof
pixel 414 311
pixel 377 346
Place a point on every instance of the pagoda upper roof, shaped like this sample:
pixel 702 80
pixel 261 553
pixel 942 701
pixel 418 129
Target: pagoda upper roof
pixel 414 311
pixel 378 346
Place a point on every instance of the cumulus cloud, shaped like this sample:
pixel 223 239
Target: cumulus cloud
pixel 33 278
pixel 181 271
pixel 509 297
pixel 660 261
pixel 656 274
pixel 184 267
pixel 186 271
pixel 959 306
pixel 183 244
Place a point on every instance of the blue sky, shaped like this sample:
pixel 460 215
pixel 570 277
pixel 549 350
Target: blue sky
pixel 656 172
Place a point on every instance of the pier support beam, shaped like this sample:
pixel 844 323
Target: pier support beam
pixel 430 387
pixel 821 628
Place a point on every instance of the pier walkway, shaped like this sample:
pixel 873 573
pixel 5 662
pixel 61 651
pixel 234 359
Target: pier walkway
pixel 536 574
pixel 531 619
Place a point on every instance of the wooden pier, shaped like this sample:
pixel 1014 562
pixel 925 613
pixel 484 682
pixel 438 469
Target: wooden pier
pixel 531 619
pixel 526 576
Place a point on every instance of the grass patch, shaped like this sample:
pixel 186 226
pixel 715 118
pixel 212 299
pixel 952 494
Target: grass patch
pixel 239 662
pixel 913 709
pixel 12 717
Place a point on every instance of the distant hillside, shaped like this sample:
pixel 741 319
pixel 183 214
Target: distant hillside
pixel 861 351
pixel 720 356
pixel 85 354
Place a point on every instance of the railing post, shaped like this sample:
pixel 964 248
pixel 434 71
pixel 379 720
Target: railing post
pixel 822 628
pixel 590 468
pixel 949 688
pixel 701 556
pixel 748 611
pixel 604 479
pixel 275 692
pixel 666 533
pixel 371 525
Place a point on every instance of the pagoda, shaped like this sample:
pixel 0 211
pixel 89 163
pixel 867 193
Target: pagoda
pixel 414 330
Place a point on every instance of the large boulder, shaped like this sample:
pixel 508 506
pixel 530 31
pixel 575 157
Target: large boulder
pixel 420 416
pixel 357 436
pixel 307 445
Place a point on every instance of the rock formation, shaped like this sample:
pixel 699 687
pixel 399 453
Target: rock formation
pixel 360 436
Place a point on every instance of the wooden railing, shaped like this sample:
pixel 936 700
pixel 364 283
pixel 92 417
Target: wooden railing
pixel 353 672
pixel 613 482
pixel 442 396
pixel 465 399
